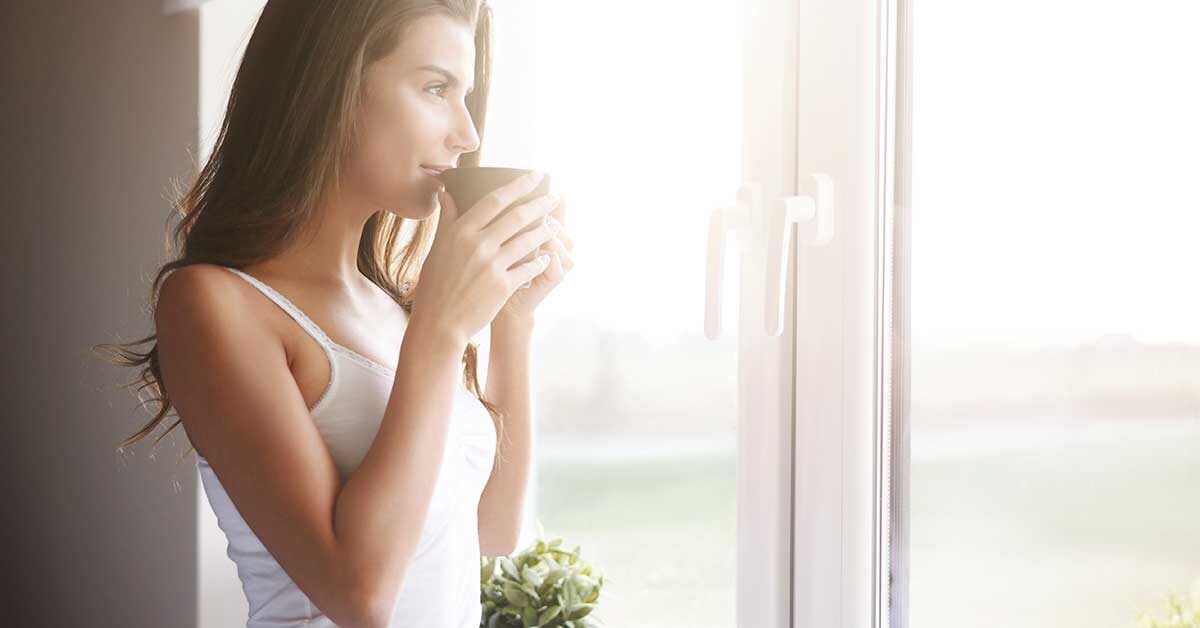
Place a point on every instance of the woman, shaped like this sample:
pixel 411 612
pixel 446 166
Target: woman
pixel 355 490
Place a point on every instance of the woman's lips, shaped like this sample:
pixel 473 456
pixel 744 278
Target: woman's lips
pixel 435 169
pixel 436 175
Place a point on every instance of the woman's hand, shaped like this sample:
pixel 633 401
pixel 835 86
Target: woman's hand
pixel 521 305
pixel 473 265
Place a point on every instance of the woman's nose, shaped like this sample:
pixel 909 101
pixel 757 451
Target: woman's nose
pixel 465 139
pixel 466 144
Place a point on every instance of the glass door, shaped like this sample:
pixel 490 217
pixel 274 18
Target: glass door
pixel 668 126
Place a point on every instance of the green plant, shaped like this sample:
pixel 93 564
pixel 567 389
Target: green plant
pixel 1177 615
pixel 542 585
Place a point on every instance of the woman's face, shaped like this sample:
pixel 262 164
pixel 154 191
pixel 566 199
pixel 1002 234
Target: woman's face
pixel 413 115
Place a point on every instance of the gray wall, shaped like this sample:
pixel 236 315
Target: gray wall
pixel 99 112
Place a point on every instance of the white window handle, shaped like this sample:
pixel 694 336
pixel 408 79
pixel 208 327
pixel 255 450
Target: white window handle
pixel 801 210
pixel 722 221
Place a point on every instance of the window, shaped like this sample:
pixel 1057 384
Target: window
pixel 635 409
pixel 1056 327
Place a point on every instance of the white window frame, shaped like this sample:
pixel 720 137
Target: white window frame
pixel 825 83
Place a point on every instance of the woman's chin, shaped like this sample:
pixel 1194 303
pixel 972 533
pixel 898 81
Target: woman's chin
pixel 417 210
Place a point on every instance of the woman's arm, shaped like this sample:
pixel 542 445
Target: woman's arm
pixel 508 386
pixel 381 509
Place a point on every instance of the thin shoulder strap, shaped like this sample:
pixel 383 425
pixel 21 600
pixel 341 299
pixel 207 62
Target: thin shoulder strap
pixel 313 330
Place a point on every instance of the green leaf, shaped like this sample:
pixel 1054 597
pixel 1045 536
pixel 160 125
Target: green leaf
pixel 529 617
pixel 580 580
pixel 571 593
pixel 534 598
pixel 554 577
pixel 580 610
pixel 548 614
pixel 515 596
pixel 531 576
pixel 507 565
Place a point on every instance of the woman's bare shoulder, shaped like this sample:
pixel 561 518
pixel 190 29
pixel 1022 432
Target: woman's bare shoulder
pixel 205 294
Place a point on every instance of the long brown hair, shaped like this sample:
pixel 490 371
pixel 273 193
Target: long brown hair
pixel 287 130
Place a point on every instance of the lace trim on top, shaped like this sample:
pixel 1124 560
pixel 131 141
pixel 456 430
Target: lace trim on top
pixel 363 360
pixel 315 330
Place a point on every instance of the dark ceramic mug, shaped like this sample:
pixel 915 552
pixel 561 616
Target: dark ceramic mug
pixel 468 185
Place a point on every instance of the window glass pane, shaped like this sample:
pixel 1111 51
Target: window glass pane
pixel 1056 353
pixel 637 118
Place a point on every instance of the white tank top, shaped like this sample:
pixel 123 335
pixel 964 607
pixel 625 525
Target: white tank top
pixel 441 588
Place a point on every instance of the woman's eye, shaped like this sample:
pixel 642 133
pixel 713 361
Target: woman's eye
pixel 438 87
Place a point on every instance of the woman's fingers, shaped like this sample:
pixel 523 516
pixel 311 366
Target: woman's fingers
pixel 527 272
pixel 524 244
pixel 526 216
pixel 564 254
pixel 562 234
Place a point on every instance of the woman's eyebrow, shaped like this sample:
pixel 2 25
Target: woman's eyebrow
pixel 450 78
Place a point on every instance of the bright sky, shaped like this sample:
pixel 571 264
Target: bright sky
pixel 1055 150
pixel 639 119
